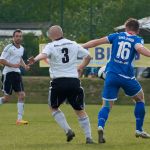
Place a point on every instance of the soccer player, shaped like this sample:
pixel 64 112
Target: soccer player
pixel 11 58
pixel 65 85
pixel 120 74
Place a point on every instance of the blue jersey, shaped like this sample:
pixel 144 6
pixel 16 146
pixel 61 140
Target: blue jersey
pixel 123 53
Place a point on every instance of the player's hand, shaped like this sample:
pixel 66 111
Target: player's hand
pixel 31 61
pixel 27 67
pixel 15 65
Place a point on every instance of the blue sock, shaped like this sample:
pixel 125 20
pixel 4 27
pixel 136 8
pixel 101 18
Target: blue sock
pixel 103 116
pixel 139 113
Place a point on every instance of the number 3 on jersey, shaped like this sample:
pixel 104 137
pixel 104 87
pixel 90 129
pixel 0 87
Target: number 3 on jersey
pixel 65 59
pixel 124 50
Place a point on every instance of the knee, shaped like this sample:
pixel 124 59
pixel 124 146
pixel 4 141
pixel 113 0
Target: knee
pixel 139 97
pixel 81 113
pixel 107 104
pixel 21 96
pixel 56 112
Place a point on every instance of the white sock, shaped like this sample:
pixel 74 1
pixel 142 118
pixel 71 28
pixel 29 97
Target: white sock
pixel 85 124
pixel 61 120
pixel 1 100
pixel 20 106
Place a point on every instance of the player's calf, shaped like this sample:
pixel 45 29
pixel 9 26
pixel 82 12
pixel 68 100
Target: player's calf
pixel 102 118
pixel 139 113
pixel 20 107
pixel 62 122
pixel 104 113
pixel 85 125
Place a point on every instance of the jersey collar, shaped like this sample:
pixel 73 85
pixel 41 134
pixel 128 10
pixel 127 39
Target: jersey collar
pixel 15 45
pixel 130 33
pixel 59 39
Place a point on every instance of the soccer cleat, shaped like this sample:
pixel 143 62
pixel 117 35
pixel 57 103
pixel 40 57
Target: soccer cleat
pixel 142 134
pixel 70 135
pixel 89 141
pixel 21 122
pixel 101 138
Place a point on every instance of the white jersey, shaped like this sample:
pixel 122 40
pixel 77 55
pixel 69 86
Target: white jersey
pixel 63 56
pixel 12 55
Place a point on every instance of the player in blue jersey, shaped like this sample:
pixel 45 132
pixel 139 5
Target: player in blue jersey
pixel 120 74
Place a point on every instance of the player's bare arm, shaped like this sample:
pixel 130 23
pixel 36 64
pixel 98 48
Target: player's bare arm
pixel 26 67
pixel 85 62
pixel 39 57
pixel 95 42
pixel 143 50
pixel 6 63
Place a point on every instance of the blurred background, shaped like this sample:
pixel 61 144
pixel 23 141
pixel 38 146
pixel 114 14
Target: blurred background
pixel 81 21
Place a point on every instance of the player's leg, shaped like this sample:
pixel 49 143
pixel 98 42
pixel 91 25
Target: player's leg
pixel 139 113
pixel 62 122
pixel 76 99
pixel 102 118
pixel 56 98
pixel 104 113
pixel 20 107
pixel 85 125
pixel 18 87
pixel 110 93
pixel 139 110
pixel 6 88
pixel 133 89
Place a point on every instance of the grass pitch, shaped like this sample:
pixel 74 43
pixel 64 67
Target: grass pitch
pixel 43 133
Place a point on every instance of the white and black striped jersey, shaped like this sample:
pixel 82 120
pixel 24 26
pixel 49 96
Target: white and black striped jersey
pixel 13 55
pixel 63 54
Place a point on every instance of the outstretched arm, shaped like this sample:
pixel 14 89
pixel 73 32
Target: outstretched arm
pixel 142 50
pixel 95 42
pixel 39 57
pixel 26 67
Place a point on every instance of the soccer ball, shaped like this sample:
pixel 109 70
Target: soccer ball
pixel 101 73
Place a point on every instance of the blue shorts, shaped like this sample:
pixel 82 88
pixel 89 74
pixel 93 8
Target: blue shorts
pixel 114 82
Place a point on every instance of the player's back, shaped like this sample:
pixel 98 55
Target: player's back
pixel 123 53
pixel 63 54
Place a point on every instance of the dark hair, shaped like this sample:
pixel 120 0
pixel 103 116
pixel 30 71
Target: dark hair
pixel 132 24
pixel 17 30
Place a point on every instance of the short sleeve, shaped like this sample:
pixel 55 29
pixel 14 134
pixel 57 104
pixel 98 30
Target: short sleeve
pixel 111 37
pixel 82 52
pixel 47 50
pixel 6 52
pixel 139 41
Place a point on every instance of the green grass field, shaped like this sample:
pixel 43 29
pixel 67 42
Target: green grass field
pixel 43 133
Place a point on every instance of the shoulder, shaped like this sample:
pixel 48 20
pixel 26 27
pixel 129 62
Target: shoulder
pixel 50 45
pixel 111 37
pixel 48 48
pixel 114 35
pixel 122 33
pixel 8 47
pixel 139 39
